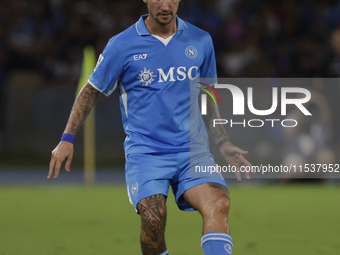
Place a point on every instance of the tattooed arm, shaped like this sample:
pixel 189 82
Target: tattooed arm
pixel 80 110
pixel 232 154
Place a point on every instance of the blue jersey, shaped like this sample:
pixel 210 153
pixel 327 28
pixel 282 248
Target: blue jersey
pixel 155 80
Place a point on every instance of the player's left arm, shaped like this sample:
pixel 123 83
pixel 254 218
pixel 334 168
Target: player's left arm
pixel 231 153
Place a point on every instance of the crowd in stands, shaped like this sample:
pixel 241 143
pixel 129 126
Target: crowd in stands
pixel 258 38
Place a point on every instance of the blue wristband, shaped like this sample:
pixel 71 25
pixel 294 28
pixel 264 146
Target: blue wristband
pixel 68 138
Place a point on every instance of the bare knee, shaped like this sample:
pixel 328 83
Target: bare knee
pixel 216 201
pixel 212 201
pixel 153 219
pixel 217 206
pixel 215 214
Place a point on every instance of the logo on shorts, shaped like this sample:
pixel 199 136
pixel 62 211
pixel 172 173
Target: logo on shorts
pixel 134 188
pixel 146 77
pixel 191 52
pixel 228 248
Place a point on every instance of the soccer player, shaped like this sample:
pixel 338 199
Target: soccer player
pixel 153 64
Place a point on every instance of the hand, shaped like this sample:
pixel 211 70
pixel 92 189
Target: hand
pixel 63 151
pixel 234 156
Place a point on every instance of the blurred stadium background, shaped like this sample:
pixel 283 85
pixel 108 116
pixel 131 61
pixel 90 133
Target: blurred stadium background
pixel 41 54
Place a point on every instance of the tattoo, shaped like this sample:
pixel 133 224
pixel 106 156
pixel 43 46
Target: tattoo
pixel 153 216
pixel 218 133
pixel 81 109
pixel 220 187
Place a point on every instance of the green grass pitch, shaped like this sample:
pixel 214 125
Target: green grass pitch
pixel 72 220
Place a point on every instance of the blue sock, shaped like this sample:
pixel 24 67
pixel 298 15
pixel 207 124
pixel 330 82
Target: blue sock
pixel 166 252
pixel 215 243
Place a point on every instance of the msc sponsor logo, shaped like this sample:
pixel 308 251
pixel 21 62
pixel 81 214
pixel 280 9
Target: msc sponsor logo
pixel 180 74
pixel 146 77
pixel 173 74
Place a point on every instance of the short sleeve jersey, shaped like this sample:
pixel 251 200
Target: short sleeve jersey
pixel 158 98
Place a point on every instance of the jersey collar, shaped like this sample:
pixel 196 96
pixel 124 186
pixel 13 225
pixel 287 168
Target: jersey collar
pixel 142 30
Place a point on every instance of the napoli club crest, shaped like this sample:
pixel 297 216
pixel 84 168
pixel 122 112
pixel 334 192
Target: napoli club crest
pixel 134 188
pixel 191 52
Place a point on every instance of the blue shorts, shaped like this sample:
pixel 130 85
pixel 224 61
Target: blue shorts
pixel 153 173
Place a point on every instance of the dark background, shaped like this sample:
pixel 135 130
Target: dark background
pixel 42 41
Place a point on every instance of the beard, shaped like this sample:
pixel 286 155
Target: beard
pixel 163 20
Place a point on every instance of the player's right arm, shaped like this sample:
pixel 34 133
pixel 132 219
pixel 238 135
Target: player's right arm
pixel 82 106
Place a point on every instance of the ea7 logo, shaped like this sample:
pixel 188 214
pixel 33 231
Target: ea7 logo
pixel 140 56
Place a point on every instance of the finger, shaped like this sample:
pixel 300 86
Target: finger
pixel 247 175
pixel 50 172
pixel 252 170
pixel 57 169
pixel 248 165
pixel 238 175
pixel 240 151
pixel 244 162
pixel 68 164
